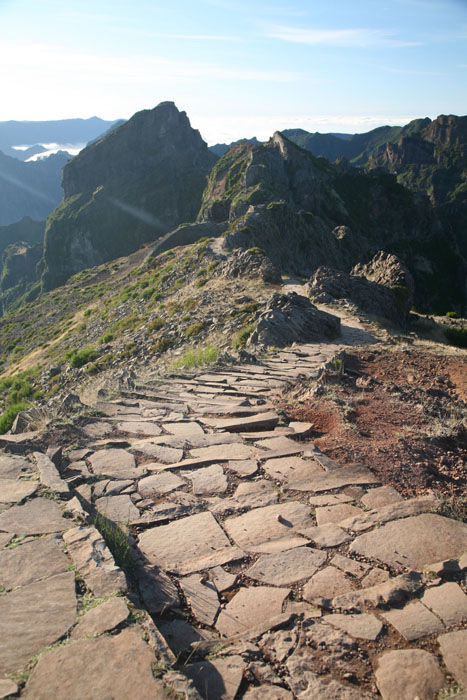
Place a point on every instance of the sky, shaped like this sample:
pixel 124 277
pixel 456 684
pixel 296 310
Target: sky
pixel 239 68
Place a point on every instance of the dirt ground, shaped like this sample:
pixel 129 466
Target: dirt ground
pixel 402 413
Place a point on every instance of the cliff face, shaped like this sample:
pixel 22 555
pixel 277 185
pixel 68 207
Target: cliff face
pixel 18 270
pixel 132 186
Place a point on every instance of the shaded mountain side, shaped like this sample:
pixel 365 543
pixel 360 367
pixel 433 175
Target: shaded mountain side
pixel 30 189
pixel 132 186
pixel 220 149
pixel 19 271
pixel 305 212
pixel 25 230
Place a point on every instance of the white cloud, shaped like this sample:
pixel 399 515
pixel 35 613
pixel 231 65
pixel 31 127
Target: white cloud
pixel 345 38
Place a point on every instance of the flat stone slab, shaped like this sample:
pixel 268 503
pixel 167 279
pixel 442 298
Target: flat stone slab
pixel 453 646
pixel 202 598
pixel 391 592
pixel 119 509
pixel 34 560
pixel 37 517
pixel 393 511
pixel 329 535
pixel 286 568
pixel 115 463
pixel 244 467
pixel 33 617
pixel 164 455
pixel 158 591
pixel 335 514
pixel 94 561
pixel 330 499
pixel 282 443
pixel 267 692
pixel 291 468
pixel 7 688
pixel 184 429
pixel 408 673
pixel 49 475
pixel 120 665
pixel 208 480
pixel 447 601
pixel 414 621
pixel 270 529
pixel 164 482
pixel 103 618
pixel 13 467
pixel 414 542
pixel 98 429
pixel 145 428
pixel 364 626
pixel 222 580
pixel 327 583
pixel 13 491
pixel 350 566
pixel 250 607
pixel 236 425
pixel 219 678
pixel 183 541
pixel 227 452
pixel 336 479
pixel 179 635
pixel 380 496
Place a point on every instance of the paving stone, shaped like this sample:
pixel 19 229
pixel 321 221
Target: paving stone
pixel 364 626
pixel 281 443
pixel 97 429
pixel 380 496
pixel 179 686
pixel 350 566
pixel 448 601
pixel 117 667
pixel 233 425
pixel 244 467
pixel 7 688
pixel 185 429
pixel 226 452
pixel 94 561
pixel 13 491
pixel 291 469
pixel 278 645
pixel 222 580
pixel 392 592
pixel 413 542
pixel 408 673
pixel 49 475
pixel 327 583
pixel 13 467
pixel 344 476
pixel 374 577
pixel 453 647
pixel 115 463
pixel 5 537
pixel 184 542
pixel 286 568
pixel 164 455
pixel 202 598
pixel 165 482
pixel 250 607
pixel 246 488
pixel 33 617
pixel 301 428
pixel 208 480
pixel 41 558
pixel 114 488
pixel 139 428
pixel 335 514
pixel 219 679
pixel 230 506
pixel 37 517
pixel 414 621
pixel 179 635
pixel 330 499
pixel 119 509
pixel 329 535
pixel 103 618
pixel 177 504
pixel 267 692
pixel 393 511
pixel 270 529
pixel 157 590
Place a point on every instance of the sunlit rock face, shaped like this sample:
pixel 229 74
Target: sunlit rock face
pixel 129 187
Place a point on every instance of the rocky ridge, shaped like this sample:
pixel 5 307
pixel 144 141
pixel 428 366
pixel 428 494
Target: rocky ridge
pixel 253 565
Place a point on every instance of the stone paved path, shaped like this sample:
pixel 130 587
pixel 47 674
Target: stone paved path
pixel 255 567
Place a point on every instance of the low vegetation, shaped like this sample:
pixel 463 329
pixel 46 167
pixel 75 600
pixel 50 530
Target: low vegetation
pixel 456 336
pixel 196 357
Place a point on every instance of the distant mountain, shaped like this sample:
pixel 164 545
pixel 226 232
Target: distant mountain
pixel 61 131
pixel 25 230
pixel 30 189
pixel 132 186
pixel 219 149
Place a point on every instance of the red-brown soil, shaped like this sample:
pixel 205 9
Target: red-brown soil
pixel 402 413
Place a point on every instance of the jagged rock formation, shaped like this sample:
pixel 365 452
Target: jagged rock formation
pixel 135 184
pixel 30 189
pixel 19 263
pixel 251 263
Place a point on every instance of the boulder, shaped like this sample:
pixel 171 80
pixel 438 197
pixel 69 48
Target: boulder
pixel 251 263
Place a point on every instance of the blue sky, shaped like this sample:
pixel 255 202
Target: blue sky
pixel 237 67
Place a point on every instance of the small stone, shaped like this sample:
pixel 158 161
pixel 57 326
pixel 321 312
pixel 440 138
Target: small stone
pixel 327 583
pixel 165 482
pixel 103 618
pixel 202 598
pixel 290 469
pixel 208 480
pixel 119 509
pixel 250 607
pixel 13 491
pixel 219 679
pixel 381 496
pixel 164 455
pixel 447 601
pixel 364 626
pixel 244 467
pixel 335 514
pixel 414 621
pixel 286 568
pixel 408 673
pixel 329 535
pixel 453 647
pixel 227 452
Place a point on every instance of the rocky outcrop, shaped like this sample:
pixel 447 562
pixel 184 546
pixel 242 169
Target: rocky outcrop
pixel 290 318
pixel 134 185
pixel 251 263
pixel 387 270
pixel 18 270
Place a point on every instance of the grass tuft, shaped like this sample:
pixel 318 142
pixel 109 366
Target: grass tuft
pixel 196 357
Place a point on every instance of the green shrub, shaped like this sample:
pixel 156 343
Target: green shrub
pixel 212 266
pixel 106 338
pixel 8 416
pixel 196 357
pixel 194 329
pixel 242 336
pixel 245 309
pixel 156 324
pixel 88 312
pixel 456 336
pixel 452 314
pixel 79 358
pixel 161 345
pixel 201 282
